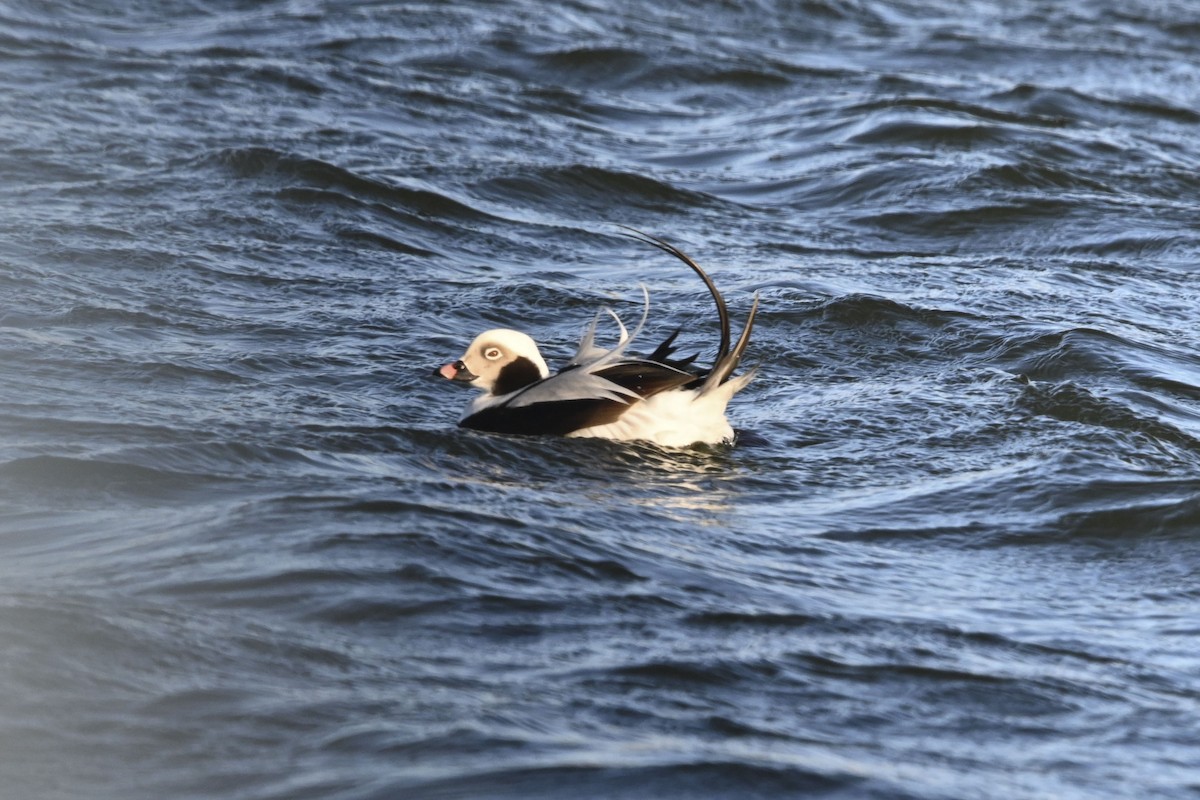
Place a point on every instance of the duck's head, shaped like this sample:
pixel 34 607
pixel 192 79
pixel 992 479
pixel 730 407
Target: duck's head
pixel 499 361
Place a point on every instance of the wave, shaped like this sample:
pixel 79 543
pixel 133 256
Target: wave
pixel 927 133
pixel 580 186
pixel 699 778
pixel 1072 403
pixel 265 162
pixel 1157 245
pixel 48 473
pixel 608 66
pixel 864 310
pixel 1069 105
pixel 1156 511
pixel 969 223
pixel 1088 354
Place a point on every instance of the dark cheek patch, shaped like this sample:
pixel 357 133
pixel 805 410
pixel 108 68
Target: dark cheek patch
pixel 517 374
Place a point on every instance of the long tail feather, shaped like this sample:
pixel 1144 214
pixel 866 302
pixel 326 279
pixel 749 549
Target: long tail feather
pixel 724 368
pixel 722 309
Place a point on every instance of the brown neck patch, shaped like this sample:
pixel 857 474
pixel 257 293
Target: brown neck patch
pixel 517 374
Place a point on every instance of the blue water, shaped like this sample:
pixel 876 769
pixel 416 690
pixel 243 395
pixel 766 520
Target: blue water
pixel 246 553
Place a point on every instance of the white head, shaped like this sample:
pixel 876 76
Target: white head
pixel 499 361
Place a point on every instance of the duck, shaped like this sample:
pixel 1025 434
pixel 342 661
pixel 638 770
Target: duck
pixel 603 393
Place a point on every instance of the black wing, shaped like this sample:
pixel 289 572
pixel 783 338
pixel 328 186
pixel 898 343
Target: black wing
pixel 560 417
pixel 645 377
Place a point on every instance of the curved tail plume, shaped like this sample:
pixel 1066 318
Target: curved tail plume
pixel 727 360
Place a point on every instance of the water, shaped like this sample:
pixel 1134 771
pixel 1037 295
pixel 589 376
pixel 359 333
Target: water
pixel 245 553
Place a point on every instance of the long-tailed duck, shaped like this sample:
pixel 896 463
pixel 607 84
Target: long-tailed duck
pixel 604 393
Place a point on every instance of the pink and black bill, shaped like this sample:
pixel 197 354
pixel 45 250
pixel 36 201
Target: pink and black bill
pixel 456 372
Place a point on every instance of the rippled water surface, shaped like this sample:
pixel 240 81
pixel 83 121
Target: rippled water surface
pixel 246 553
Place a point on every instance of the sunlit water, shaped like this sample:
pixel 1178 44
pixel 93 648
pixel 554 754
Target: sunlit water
pixel 246 553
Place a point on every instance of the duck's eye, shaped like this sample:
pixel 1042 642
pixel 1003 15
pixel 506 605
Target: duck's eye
pixel 492 353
